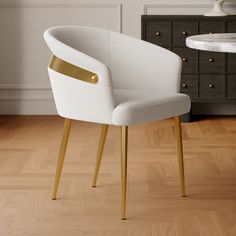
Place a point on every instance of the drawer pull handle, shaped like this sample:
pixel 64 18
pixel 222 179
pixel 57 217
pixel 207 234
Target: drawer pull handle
pixel 211 86
pixel 211 60
pixel 184 33
pixel 184 85
pixel 184 59
pixel 158 33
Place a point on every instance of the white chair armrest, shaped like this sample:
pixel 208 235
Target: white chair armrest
pixel 77 99
pixel 79 59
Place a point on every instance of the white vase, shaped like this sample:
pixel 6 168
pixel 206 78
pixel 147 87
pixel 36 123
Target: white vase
pixel 217 9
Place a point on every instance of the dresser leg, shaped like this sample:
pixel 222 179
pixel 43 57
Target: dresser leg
pixel 186 117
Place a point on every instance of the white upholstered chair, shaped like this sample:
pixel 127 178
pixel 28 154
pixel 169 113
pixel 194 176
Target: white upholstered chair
pixel 113 79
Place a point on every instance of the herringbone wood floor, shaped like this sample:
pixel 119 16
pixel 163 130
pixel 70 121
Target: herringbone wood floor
pixel 28 156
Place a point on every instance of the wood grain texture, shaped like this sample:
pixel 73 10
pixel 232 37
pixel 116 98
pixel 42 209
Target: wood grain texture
pixel 28 156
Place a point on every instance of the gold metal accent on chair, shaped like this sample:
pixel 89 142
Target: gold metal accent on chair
pixel 124 150
pixel 180 153
pixel 65 137
pixel 71 70
pixel 100 152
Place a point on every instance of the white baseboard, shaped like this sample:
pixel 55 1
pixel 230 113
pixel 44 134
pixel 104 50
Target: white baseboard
pixel 33 107
pixel 26 100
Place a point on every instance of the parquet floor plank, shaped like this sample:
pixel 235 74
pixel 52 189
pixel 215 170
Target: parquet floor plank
pixel 28 155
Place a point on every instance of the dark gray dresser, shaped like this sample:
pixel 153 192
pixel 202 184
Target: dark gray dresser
pixel 208 77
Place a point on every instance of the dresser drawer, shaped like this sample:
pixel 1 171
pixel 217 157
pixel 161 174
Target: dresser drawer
pixel 211 62
pixel 181 30
pixel 208 78
pixel 207 27
pixel 212 86
pixel 231 63
pixel 158 32
pixel 189 58
pixel 231 27
pixel 231 86
pixel 189 85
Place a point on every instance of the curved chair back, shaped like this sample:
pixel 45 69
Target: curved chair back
pixel 78 72
pixel 104 60
pixel 137 64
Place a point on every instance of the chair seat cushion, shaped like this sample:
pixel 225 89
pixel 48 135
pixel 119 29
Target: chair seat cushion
pixel 139 106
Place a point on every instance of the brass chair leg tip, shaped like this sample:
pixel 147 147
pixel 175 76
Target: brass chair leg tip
pixel 183 195
pixel 123 218
pixel 94 186
pixel 53 198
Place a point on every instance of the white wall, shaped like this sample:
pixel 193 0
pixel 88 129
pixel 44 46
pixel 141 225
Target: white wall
pixel 24 83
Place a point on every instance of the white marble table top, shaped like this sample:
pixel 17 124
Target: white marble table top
pixel 213 42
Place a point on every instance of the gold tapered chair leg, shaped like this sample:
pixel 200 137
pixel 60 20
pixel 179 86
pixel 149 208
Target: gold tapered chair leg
pixel 180 153
pixel 100 153
pixel 124 149
pixel 65 137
